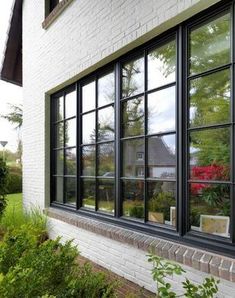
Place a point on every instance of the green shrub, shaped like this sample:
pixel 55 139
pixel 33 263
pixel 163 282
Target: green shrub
pixel 137 211
pixel 14 181
pixel 3 185
pixel 50 270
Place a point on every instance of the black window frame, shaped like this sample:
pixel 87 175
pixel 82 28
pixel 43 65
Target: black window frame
pixel 182 233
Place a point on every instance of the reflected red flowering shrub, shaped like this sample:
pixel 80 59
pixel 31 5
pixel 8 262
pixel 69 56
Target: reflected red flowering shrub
pixel 212 172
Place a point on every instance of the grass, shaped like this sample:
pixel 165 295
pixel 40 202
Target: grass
pixel 14 217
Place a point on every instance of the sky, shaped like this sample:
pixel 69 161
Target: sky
pixel 9 93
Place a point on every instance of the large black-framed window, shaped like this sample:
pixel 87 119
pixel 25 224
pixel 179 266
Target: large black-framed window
pixel 153 143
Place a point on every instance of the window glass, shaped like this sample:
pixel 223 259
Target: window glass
pixel 161 157
pixel 88 160
pixel 161 111
pixel 70 133
pixel 88 193
pixel 210 208
pixel 70 190
pixel 106 160
pixel 161 202
pixel 59 162
pixel 106 90
pixel 133 77
pixel 88 128
pixel 161 65
pixel 59 135
pixel 133 117
pixel 133 199
pixel 210 154
pixel 210 45
pixel 70 161
pixel 70 104
pixel 210 99
pixel 106 124
pixel 106 195
pixel 88 97
pixel 131 162
pixel 59 189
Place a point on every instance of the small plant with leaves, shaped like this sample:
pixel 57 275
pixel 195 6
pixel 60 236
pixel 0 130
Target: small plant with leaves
pixel 162 269
pixel 3 185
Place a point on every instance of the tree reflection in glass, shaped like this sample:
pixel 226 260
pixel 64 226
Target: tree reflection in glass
pixel 70 190
pixel 88 161
pixel 70 161
pixel 70 133
pixel 88 193
pixel 210 99
pixel 210 154
pixel 161 65
pixel 133 117
pixel 161 202
pixel 106 89
pixel 210 45
pixel 161 111
pixel 106 195
pixel 59 107
pixel 106 124
pixel 133 77
pixel 106 160
pixel 133 199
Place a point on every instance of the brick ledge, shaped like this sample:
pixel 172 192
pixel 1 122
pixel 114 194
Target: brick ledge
pixel 220 266
pixel 60 7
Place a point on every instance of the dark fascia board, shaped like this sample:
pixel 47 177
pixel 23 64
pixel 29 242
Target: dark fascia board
pixel 12 60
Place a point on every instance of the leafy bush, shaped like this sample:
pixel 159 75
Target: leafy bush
pixel 163 268
pixel 14 181
pixel 137 211
pixel 52 271
pixel 3 185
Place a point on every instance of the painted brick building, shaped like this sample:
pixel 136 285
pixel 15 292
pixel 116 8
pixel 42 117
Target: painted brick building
pixel 129 129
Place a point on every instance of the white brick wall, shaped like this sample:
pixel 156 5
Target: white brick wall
pixel 125 260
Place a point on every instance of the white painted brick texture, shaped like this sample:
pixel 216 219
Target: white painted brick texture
pixel 125 260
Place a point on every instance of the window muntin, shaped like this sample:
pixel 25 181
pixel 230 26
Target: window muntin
pixel 209 127
pixel 140 187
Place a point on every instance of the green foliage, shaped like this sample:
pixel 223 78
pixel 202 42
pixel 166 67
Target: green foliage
pixel 52 270
pixel 137 211
pixel 3 185
pixel 161 202
pixel 163 268
pixel 14 181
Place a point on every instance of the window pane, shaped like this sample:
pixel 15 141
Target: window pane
pixel 88 128
pixel 70 105
pixel 210 45
pixel 133 117
pixel 59 189
pixel 88 193
pixel 59 162
pixel 133 199
pixel 161 202
pixel 106 124
pixel 106 160
pixel 59 135
pixel 161 157
pixel 210 208
pixel 210 154
pixel 70 190
pixel 161 65
pixel 106 195
pixel 133 77
pixel 88 97
pixel 88 161
pixel 70 133
pixel 210 99
pixel 70 162
pixel 106 89
pixel 161 111
pixel 59 108
pixel 131 160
